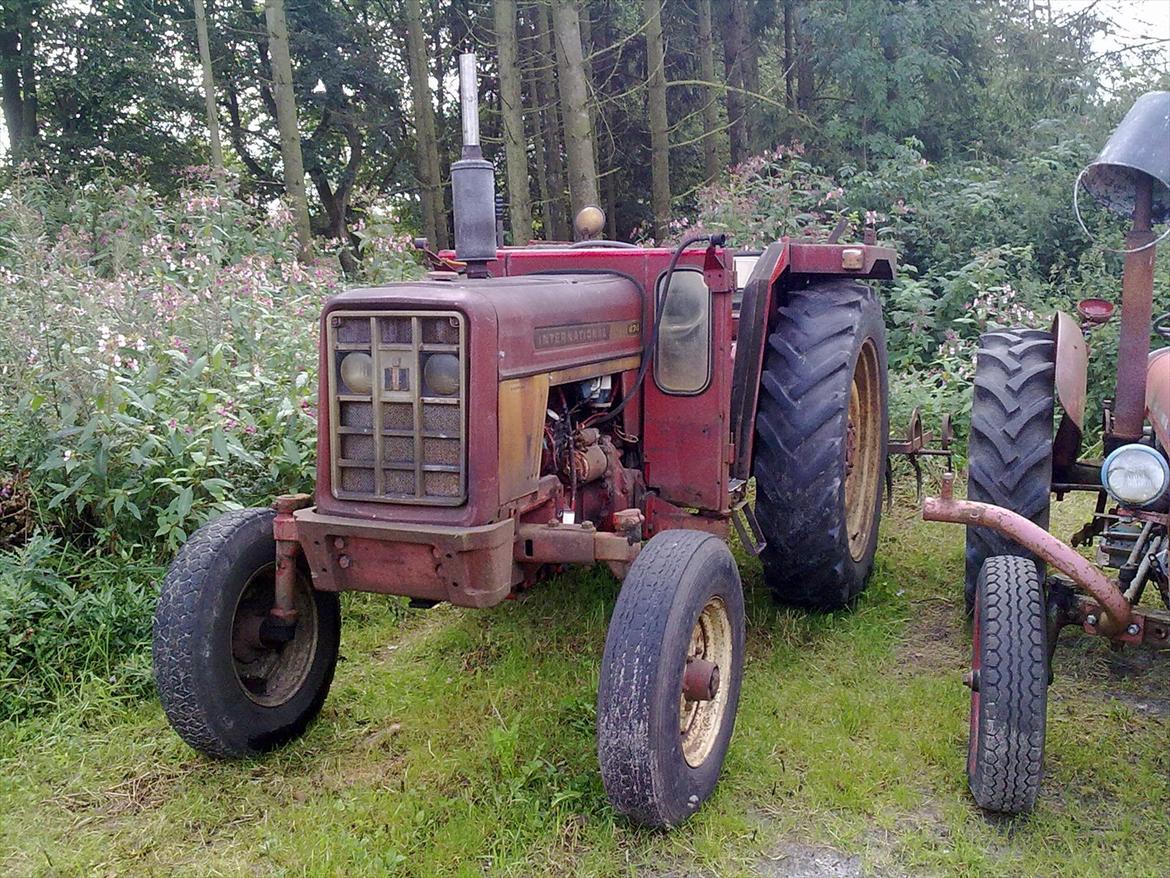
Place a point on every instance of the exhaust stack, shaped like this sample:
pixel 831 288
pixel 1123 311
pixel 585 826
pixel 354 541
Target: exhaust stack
pixel 473 183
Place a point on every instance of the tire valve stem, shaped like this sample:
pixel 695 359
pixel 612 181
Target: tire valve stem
pixel 971 680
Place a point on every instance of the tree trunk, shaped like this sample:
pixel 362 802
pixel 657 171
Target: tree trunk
pixel 557 225
pixel 208 88
pixel 574 91
pixel 10 90
pixel 18 85
pixel 734 57
pixel 659 121
pixel 512 111
pixel 28 78
pixel 286 122
pixel 789 61
pixel 710 107
pixel 429 174
pixel 804 67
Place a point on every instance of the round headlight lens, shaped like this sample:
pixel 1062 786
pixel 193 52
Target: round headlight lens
pixel 1135 475
pixel 441 374
pixel 357 371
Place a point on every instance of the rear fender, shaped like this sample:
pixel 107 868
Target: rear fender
pixel 1158 395
pixel 1072 371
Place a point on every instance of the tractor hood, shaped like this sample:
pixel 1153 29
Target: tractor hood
pixel 543 322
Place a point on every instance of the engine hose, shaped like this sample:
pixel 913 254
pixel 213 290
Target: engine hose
pixel 652 342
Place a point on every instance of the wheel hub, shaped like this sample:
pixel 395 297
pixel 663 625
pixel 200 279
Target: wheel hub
pixel 700 679
pixel 271 657
pixel 702 700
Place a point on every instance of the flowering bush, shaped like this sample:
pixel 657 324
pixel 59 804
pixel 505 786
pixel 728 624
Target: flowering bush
pixel 158 358
pixel 158 363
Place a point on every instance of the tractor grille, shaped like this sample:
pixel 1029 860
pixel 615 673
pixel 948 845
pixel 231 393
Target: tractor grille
pixel 399 434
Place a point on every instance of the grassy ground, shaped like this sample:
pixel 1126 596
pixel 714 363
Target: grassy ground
pixel 461 743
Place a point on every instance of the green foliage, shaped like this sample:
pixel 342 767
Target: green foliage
pixel 68 621
pixel 461 744
pixel 158 364
pixel 980 245
pixel 159 357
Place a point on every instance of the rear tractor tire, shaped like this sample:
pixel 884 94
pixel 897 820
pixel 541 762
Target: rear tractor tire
pixel 1009 686
pixel 228 688
pixel 1010 448
pixel 820 449
pixel 670 678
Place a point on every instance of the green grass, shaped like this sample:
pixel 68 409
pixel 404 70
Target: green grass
pixel 461 743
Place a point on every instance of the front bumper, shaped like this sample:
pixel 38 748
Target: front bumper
pixel 468 566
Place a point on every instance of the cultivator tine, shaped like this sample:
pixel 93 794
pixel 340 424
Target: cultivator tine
pixel 915 446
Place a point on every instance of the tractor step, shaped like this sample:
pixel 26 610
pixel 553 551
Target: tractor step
pixel 751 537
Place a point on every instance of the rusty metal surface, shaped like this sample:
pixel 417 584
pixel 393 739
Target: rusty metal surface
pixel 1133 345
pixel 662 515
pixel 700 679
pixel 1037 540
pixel 1072 367
pixel 1147 626
pixel 398 441
pixel 287 550
pixel 557 543
pixel 1158 394
pixel 468 566
pixel 482 387
pixel 875 262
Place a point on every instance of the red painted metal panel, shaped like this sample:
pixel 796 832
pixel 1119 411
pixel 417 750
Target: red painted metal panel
pixel 1158 395
pixel 482 452
pixel 686 439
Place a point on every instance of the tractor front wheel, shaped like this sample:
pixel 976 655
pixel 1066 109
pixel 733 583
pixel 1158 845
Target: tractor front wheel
pixel 228 686
pixel 670 678
pixel 820 451
pixel 1009 686
pixel 1009 453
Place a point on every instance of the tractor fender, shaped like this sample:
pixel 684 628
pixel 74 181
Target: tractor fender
pixel 1072 376
pixel 1158 394
pixel 1072 368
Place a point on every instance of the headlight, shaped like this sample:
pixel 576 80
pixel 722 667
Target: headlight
pixel 1135 475
pixel 357 371
pixel 441 374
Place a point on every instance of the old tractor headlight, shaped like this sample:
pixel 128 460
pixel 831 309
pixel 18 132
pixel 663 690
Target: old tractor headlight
pixel 1135 475
pixel 357 372
pixel 441 374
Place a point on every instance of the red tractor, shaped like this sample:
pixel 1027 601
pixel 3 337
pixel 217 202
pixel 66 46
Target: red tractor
pixel 1018 461
pixel 558 404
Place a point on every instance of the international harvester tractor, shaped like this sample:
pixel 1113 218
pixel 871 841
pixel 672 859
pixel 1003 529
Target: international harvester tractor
pixel 556 404
pixel 1018 462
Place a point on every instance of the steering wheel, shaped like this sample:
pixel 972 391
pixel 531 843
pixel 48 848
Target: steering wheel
pixel 605 245
pixel 1162 326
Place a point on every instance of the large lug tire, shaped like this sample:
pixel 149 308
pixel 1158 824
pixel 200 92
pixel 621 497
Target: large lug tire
pixel 225 690
pixel 1010 449
pixel 1009 686
pixel 660 751
pixel 820 448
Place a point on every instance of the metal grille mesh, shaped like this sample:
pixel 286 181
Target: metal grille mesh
pixel 399 440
